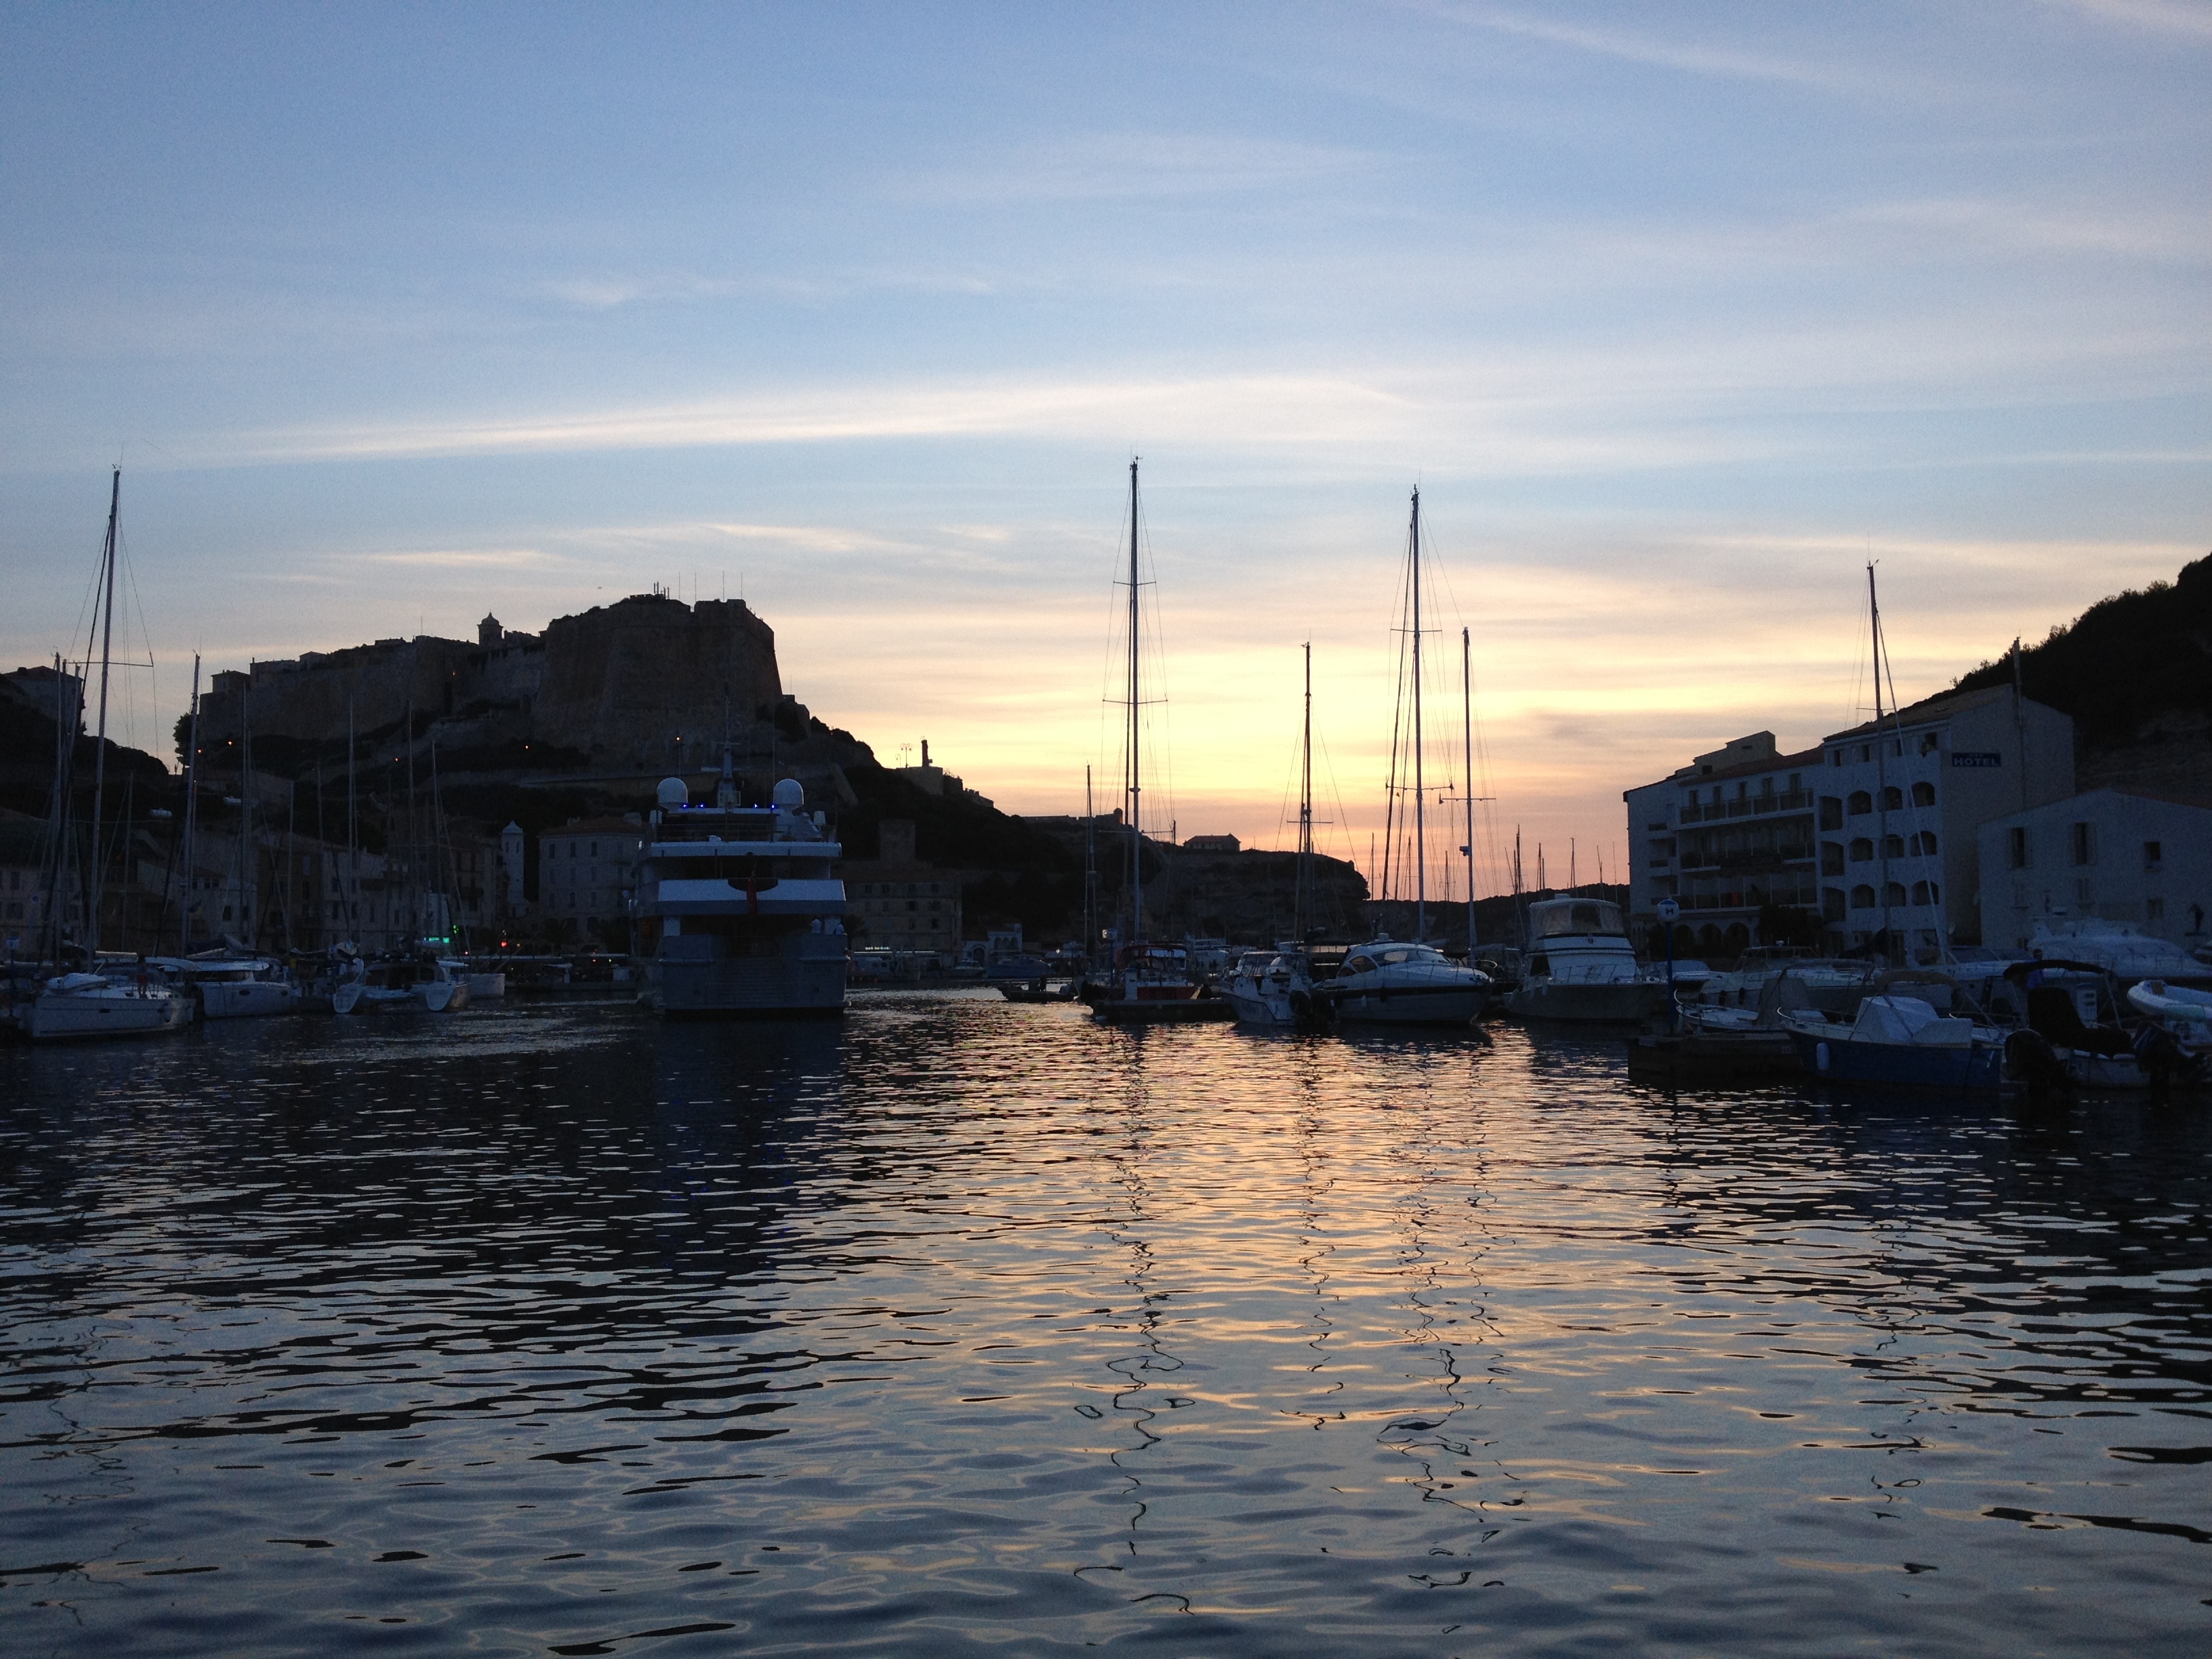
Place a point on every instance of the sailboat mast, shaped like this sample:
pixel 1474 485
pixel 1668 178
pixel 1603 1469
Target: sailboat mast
pixel 1880 760
pixel 349 884
pixel 1420 796
pixel 1305 905
pixel 191 859
pixel 1090 872
pixel 1467 744
pixel 99 746
pixel 1134 788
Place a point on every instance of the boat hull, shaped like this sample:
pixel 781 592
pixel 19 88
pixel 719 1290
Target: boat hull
pixel 1620 1002
pixel 741 987
pixel 1978 1067
pixel 253 999
pixel 70 1018
pixel 1456 1006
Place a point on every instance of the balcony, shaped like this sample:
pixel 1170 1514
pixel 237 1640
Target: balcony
pixel 1751 807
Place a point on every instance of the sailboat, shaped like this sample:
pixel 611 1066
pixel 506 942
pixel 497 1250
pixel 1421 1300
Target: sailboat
pixel 135 1000
pixel 1408 982
pixel 1145 982
pixel 1278 988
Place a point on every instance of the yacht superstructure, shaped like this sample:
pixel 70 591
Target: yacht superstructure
pixel 739 910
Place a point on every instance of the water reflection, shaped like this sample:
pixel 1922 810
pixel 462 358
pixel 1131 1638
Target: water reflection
pixel 966 1325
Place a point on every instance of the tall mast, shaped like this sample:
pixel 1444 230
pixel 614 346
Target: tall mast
pixel 1134 787
pixel 1090 872
pixel 192 815
pixel 1467 744
pixel 1304 906
pixel 349 884
pixel 100 747
pixel 68 715
pixel 249 864
pixel 1880 760
pixel 1420 798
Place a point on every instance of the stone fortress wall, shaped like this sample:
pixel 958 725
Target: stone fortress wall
pixel 646 684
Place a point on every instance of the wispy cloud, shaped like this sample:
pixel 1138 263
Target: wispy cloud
pixel 467 558
pixel 1691 58
pixel 2158 16
pixel 1112 166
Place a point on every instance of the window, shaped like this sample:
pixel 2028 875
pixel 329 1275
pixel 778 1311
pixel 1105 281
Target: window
pixel 1832 904
pixel 1862 897
pixel 2154 855
pixel 1740 791
pixel 1797 782
pixel 1866 751
pixel 1893 800
pixel 1926 892
pixel 2154 909
pixel 1831 812
pixel 1832 859
pixel 1892 846
pixel 2018 840
pixel 1861 849
pixel 1860 804
pixel 1924 794
pixel 1923 845
pixel 1835 757
pixel 1894 893
pixel 2084 843
pixel 1767 785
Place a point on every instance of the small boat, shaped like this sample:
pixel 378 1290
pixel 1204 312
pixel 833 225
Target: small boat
pixel 2184 1011
pixel 1392 983
pixel 1277 990
pixel 484 985
pixel 1580 967
pixel 399 985
pixel 1901 1041
pixel 2116 947
pixel 1038 991
pixel 2074 1007
pixel 137 1002
pixel 1150 984
pixel 235 988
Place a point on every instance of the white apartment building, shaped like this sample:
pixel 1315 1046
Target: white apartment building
pixel 587 870
pixel 1874 833
pixel 2112 854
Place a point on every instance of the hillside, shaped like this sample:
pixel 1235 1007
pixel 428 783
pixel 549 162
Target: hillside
pixel 2135 671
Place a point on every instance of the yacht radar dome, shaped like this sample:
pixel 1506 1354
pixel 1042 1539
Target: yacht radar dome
pixel 790 795
pixel 672 793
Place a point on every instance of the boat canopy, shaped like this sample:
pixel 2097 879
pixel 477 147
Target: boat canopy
pixel 1555 917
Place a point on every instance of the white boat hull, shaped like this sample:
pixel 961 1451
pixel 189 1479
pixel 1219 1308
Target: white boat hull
pixel 69 1016
pixel 250 999
pixel 1597 1003
pixel 1454 1005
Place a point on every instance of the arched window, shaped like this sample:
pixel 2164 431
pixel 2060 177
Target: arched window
pixel 1896 891
pixel 1926 892
pixel 1832 859
pixel 1924 794
pixel 1859 804
pixel 1892 846
pixel 1862 897
pixel 1893 800
pixel 1924 844
pixel 1861 850
pixel 1832 904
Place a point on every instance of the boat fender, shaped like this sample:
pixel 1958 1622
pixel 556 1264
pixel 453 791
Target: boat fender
pixel 1819 1056
pixel 2031 1060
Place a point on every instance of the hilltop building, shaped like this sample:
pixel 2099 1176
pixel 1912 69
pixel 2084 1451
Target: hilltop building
pixel 1870 838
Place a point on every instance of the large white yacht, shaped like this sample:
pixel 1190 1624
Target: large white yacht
pixel 739 912
pixel 1582 967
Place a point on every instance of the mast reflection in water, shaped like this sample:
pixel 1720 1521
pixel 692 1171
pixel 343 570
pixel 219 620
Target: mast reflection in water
pixel 975 1328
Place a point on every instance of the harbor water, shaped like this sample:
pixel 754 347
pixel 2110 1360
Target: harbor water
pixel 965 1327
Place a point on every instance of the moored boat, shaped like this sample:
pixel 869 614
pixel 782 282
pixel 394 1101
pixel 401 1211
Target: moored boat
pixel 1580 967
pixel 235 987
pixel 135 1002
pixel 399 984
pixel 1401 982
pixel 740 911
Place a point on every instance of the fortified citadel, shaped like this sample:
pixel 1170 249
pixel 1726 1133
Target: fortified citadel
pixel 630 691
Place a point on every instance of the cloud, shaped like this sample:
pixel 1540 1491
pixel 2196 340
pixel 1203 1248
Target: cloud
pixel 1714 62
pixel 2158 16
pixel 470 558
pixel 1118 166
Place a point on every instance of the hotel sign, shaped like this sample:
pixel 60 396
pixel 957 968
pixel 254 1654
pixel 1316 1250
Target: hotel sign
pixel 1976 758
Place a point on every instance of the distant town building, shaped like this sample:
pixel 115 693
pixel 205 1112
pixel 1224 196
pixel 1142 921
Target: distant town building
pixel 1872 836
pixel 56 696
pixel 587 871
pixel 1211 844
pixel 22 868
pixel 2111 854
pixel 896 901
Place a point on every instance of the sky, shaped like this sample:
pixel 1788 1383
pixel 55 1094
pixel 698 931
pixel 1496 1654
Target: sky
pixel 1676 316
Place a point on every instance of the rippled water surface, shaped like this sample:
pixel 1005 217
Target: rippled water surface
pixel 966 1328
